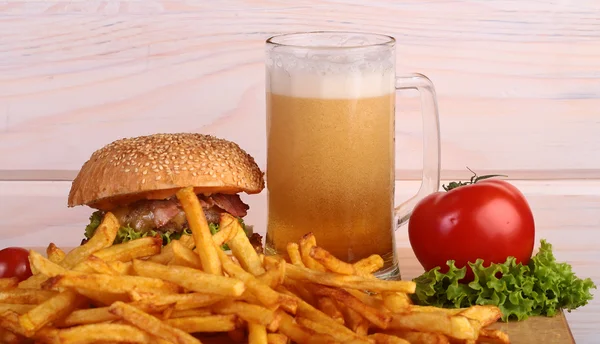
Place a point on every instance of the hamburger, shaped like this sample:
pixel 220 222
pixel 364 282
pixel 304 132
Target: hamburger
pixel 136 179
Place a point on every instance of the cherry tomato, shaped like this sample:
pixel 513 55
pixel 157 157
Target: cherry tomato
pixel 488 219
pixel 14 262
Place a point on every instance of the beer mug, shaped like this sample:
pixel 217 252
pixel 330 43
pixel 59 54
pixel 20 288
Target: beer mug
pixel 330 102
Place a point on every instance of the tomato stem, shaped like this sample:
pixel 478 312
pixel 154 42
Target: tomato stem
pixel 474 179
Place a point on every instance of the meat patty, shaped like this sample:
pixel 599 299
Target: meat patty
pixel 168 215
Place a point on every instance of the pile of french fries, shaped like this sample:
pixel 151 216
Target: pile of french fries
pixel 191 291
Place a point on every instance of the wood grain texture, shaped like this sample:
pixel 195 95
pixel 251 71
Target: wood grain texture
pixel 566 212
pixel 517 81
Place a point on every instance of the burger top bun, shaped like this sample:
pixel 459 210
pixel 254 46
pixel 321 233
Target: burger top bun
pixel 156 166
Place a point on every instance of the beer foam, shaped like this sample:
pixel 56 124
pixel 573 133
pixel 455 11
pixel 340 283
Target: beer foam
pixel 330 85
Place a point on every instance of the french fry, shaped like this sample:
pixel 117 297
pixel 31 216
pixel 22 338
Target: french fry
pixel 122 268
pixel 15 307
pixel 346 281
pixel 257 334
pixel 200 231
pixel 184 256
pixel 328 306
pixel 124 252
pixel 191 279
pixel 48 311
pixel 381 338
pixel 486 315
pixel 263 292
pixel 339 336
pixel 331 263
pixel 165 255
pixel 300 334
pixel 454 326
pixel 45 266
pixel 241 247
pixel 293 251
pixel 307 311
pixel 369 265
pixel 26 296
pixel 113 284
pixel 275 273
pixel 491 336
pixel 151 324
pixel 54 253
pixel 194 312
pixel 106 333
pixel 8 283
pixel 187 240
pixel 299 289
pixel 102 298
pixel 209 323
pixel 9 320
pixel 420 337
pixel 365 298
pixel 432 309
pixel 307 242
pixel 98 265
pixel 181 301
pixel 248 312
pixel 103 237
pixel 225 233
pixel 102 314
pixel 354 320
pixel 277 338
pixel 396 302
pixel 88 316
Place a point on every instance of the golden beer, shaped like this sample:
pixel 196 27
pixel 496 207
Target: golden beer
pixel 328 172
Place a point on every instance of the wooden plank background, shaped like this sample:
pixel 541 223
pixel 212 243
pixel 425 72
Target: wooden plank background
pixel 518 86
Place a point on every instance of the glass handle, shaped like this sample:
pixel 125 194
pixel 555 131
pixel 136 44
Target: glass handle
pixel 431 142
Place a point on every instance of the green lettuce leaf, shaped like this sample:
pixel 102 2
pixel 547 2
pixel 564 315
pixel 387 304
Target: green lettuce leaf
pixel 127 233
pixel 95 220
pixel 542 287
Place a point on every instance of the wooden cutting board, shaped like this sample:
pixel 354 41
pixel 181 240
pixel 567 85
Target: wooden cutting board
pixel 546 330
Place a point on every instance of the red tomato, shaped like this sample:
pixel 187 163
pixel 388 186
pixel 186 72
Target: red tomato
pixel 14 262
pixel 489 219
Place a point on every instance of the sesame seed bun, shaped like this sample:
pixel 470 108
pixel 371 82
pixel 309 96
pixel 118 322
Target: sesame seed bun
pixel 156 166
